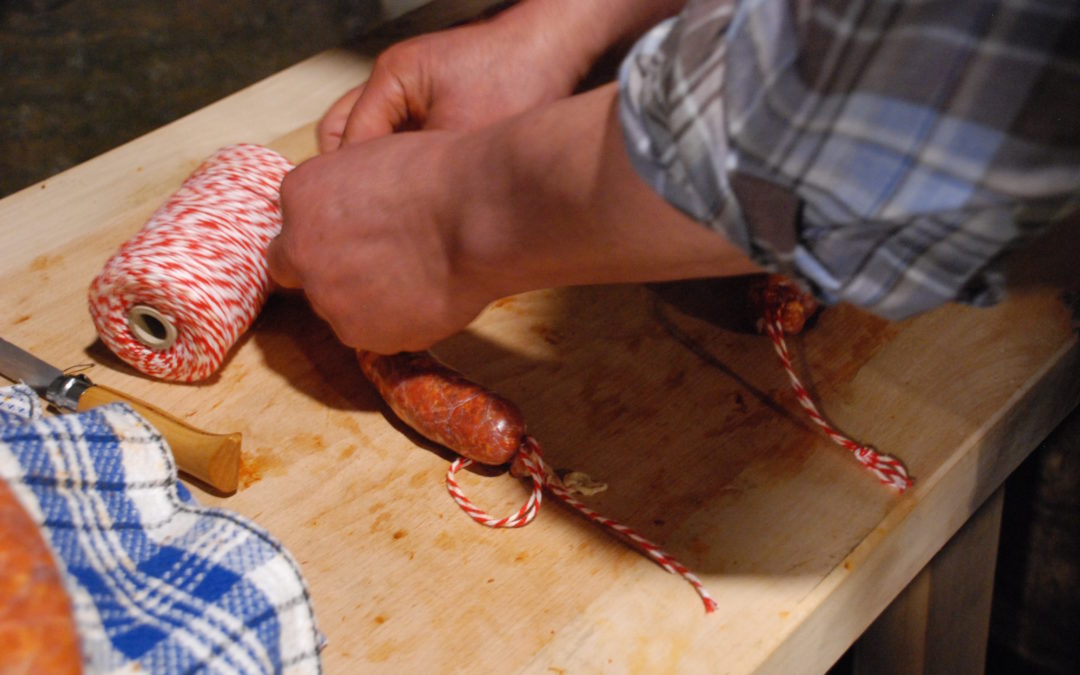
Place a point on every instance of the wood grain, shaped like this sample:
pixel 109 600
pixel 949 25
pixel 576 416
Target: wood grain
pixel 654 390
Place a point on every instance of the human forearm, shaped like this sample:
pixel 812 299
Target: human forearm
pixel 576 33
pixel 402 240
pixel 549 198
pixel 467 77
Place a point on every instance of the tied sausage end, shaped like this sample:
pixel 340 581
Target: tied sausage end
pixel 444 406
pixel 777 296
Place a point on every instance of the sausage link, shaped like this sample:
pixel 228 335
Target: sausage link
pixel 37 629
pixel 444 406
pixel 776 295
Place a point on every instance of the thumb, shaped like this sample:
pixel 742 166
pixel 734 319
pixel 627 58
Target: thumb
pixel 281 268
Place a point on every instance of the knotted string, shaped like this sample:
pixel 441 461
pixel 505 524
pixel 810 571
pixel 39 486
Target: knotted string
pixel 888 469
pixel 542 476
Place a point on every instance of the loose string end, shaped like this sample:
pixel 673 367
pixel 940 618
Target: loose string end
pixel 888 469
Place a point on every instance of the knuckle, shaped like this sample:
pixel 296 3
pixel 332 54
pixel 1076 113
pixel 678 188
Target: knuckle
pixel 401 53
pixel 349 331
pixel 290 184
pixel 295 185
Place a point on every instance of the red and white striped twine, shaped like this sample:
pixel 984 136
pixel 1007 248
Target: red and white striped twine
pixel 887 468
pixel 198 266
pixel 542 476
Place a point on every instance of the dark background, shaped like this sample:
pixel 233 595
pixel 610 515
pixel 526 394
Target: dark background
pixel 78 78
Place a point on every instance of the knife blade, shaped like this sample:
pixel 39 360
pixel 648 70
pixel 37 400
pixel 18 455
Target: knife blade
pixel 212 458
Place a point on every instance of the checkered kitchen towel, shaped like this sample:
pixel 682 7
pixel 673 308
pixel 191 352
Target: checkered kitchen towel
pixel 157 582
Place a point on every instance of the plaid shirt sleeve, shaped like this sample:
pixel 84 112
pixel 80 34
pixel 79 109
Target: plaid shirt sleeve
pixel 921 140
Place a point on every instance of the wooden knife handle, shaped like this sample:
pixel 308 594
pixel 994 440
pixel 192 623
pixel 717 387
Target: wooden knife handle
pixel 212 458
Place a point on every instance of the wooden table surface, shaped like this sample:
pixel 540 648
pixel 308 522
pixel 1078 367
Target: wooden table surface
pixel 687 417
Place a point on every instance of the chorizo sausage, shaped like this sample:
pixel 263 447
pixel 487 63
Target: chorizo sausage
pixel 777 296
pixel 37 633
pixel 444 406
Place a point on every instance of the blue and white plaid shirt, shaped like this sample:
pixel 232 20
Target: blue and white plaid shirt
pixel 916 141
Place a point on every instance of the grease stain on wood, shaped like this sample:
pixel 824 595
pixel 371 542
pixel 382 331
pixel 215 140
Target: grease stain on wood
pixel 380 523
pixel 256 465
pixel 44 262
pixel 444 541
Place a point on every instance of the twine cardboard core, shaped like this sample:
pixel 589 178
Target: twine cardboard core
pixel 151 328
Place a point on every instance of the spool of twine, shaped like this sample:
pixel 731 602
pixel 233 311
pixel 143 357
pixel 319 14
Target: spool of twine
pixel 175 298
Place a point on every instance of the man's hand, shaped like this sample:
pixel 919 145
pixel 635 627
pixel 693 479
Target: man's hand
pixel 460 79
pixel 449 80
pixel 369 235
pixel 402 241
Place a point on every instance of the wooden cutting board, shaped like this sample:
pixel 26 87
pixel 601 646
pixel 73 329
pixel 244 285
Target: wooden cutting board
pixel 656 391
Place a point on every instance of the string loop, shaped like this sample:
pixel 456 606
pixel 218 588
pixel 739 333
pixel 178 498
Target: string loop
pixel 888 469
pixel 543 476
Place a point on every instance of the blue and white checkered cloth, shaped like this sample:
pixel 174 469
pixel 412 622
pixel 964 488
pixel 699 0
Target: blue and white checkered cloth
pixel 157 582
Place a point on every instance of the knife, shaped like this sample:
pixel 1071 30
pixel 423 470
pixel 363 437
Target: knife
pixel 212 458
